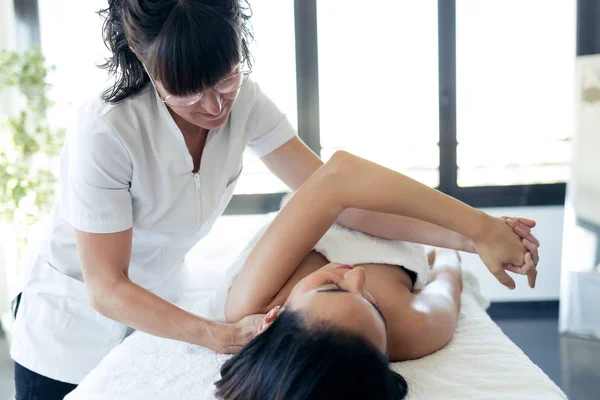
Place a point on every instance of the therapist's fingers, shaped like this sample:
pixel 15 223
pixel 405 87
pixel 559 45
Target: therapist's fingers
pixel 247 328
pixel 529 222
pixel 530 237
pixel 532 248
pixel 525 232
pixel 531 270
pixel 522 227
pixel 532 277
pixel 533 240
pixel 522 230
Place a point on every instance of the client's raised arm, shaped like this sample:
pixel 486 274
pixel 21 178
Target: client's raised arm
pixel 348 181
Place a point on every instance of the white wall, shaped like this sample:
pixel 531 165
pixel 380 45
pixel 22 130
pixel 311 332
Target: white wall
pixel 549 231
pixel 6 24
pixel 7 38
pixel 74 49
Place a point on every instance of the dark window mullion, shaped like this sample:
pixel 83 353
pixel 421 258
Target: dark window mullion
pixel 27 24
pixel 307 72
pixel 482 196
pixel 447 94
pixel 242 204
pixel 588 27
pixel 307 89
pixel 513 196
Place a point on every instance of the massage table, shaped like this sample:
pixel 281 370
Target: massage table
pixel 479 363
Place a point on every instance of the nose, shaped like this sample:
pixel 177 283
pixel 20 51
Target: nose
pixel 355 280
pixel 211 102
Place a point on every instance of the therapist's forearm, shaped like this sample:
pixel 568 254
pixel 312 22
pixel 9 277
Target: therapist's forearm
pixel 140 309
pixel 396 227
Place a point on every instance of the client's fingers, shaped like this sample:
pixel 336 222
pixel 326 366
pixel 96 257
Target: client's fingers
pixel 529 222
pixel 522 230
pixel 503 277
pixel 523 269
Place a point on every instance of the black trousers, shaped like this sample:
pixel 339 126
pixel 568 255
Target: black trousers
pixel 32 386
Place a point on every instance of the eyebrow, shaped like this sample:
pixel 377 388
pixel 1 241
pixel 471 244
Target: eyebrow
pixel 340 290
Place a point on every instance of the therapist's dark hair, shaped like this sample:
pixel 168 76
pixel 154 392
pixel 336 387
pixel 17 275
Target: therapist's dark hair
pixel 293 361
pixel 188 45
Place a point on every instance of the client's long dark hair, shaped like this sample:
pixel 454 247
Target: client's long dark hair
pixel 293 361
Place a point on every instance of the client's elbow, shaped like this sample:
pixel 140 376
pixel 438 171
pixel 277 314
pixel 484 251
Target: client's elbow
pixel 340 163
pixel 337 175
pixel 236 308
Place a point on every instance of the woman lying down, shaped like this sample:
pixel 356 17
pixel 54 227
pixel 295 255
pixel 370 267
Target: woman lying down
pixel 340 304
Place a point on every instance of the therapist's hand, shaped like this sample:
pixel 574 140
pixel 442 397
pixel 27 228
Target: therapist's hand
pixel 498 246
pixel 238 334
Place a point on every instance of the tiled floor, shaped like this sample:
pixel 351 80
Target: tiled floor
pixel 571 363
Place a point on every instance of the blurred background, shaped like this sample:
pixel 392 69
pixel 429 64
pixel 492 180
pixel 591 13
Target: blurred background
pixel 477 98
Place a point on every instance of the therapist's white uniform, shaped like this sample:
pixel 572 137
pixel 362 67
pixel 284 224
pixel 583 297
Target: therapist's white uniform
pixel 126 165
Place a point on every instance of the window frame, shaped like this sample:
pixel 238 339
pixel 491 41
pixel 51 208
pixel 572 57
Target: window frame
pixel 307 82
pixel 477 196
pixel 27 24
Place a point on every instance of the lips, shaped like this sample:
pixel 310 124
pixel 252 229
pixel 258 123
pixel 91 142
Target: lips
pixel 345 266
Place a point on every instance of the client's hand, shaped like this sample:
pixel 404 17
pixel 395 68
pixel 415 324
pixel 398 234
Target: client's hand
pixel 240 333
pixel 498 246
pixel 522 227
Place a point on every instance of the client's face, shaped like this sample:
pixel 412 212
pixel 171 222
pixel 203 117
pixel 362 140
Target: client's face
pixel 336 293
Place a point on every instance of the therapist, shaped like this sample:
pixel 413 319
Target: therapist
pixel 146 170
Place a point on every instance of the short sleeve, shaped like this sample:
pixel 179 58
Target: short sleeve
pixel 268 127
pixel 96 172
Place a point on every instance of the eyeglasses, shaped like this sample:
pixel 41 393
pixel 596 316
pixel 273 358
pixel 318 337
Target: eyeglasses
pixel 229 85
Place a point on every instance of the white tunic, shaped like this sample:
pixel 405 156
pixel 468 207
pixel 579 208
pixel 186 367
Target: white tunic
pixel 126 165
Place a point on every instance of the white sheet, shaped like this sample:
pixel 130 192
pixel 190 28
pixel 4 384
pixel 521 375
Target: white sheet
pixel 479 363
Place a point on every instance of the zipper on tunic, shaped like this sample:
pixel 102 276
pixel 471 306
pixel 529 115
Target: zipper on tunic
pixel 198 209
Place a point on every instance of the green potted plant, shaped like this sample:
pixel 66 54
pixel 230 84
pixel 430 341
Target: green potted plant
pixel 28 146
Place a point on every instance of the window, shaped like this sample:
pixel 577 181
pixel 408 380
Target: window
pixel 275 71
pixel 473 97
pixel 378 83
pixel 515 96
pixel 74 49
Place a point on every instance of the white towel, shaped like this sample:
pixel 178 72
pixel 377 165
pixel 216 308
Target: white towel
pixel 479 363
pixel 345 246
pixel 348 246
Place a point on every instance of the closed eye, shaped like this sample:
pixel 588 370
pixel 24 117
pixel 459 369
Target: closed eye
pixel 338 289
